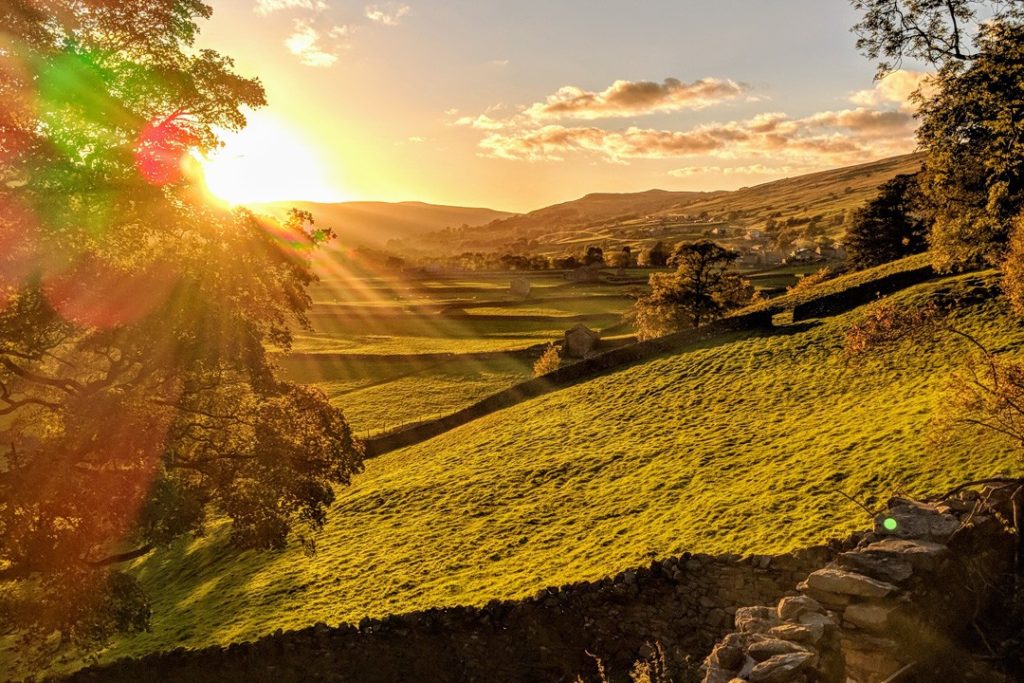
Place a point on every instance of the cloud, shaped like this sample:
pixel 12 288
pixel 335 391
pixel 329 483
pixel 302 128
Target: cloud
pixel 270 6
pixel 305 43
pixel 832 136
pixel 634 98
pixel 481 122
pixel 895 88
pixel 388 14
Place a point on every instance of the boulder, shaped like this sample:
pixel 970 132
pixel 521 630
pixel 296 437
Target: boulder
pixel 793 606
pixel 910 519
pixel 793 632
pixel 870 617
pixel 849 583
pixel 755 619
pixel 781 668
pixel 921 555
pixel 883 566
pixel 769 647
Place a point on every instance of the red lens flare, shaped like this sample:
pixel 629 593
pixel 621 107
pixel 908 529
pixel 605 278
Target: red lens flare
pixel 93 294
pixel 162 151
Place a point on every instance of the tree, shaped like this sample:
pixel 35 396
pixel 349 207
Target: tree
pixel 549 361
pixel 594 255
pixel 934 31
pixel 888 227
pixel 137 396
pixel 658 255
pixel 974 172
pixel 701 289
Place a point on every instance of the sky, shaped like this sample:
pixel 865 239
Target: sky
pixel 519 104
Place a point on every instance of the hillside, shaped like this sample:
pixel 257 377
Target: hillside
pixel 375 223
pixel 737 445
pixel 640 218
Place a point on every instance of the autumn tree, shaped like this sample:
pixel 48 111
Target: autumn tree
pixel 890 226
pixel 702 288
pixel 137 396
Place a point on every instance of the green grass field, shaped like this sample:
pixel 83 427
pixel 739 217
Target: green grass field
pixel 737 445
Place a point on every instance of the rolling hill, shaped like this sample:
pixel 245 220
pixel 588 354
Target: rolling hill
pixel 739 444
pixel 641 217
pixel 375 223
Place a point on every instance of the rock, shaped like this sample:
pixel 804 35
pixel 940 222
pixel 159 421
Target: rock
pixel 869 617
pixel 829 600
pixel 579 341
pixel 769 647
pixel 726 656
pixel 755 619
pixel 717 675
pixel 793 606
pixel 910 519
pixel 781 668
pixel 520 287
pixel 849 583
pixel 921 555
pixel 885 567
pixel 793 632
pixel 817 624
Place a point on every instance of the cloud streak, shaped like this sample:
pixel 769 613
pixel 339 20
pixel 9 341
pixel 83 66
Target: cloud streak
pixel 306 43
pixel 388 14
pixel 634 98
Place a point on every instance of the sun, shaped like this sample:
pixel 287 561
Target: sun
pixel 264 162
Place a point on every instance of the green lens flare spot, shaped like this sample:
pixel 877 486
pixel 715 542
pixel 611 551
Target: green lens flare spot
pixel 890 524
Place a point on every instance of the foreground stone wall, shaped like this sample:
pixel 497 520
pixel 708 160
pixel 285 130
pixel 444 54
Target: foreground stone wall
pixel 681 604
pixel 901 606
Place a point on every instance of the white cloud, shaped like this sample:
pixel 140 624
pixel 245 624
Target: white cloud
pixel 388 13
pixel 271 6
pixel 305 43
pixel 895 88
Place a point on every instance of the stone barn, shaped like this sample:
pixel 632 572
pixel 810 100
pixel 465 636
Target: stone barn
pixel 580 341
pixel 520 287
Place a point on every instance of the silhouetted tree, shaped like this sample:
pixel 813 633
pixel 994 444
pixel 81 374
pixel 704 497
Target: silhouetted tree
pixel 658 255
pixel 933 31
pixel 890 226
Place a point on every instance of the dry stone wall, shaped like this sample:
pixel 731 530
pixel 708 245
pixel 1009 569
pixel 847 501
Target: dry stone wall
pixel 681 604
pixel 894 608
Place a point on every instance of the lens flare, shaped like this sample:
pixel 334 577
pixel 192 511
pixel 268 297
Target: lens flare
pixel 94 294
pixel 162 151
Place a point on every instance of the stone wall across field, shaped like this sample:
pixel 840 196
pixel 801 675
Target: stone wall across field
pixel 858 295
pixel 563 377
pixel 681 604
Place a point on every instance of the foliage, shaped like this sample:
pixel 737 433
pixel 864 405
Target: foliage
pixel 136 393
pixel 1013 267
pixel 934 31
pixel 890 226
pixel 886 323
pixel 548 362
pixel 594 255
pixel 808 282
pixel 974 178
pixel 657 256
pixel 701 289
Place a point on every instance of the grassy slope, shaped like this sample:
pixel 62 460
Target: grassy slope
pixel 734 446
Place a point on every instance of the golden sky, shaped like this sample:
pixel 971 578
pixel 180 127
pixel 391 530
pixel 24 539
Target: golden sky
pixel 518 104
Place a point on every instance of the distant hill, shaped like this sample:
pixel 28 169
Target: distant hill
pixel 374 223
pixel 640 217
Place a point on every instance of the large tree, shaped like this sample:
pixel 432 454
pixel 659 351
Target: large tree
pixel 890 226
pixel 933 31
pixel 971 130
pixel 137 395
pixel 702 288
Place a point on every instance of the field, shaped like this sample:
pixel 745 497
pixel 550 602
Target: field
pixel 392 349
pixel 737 445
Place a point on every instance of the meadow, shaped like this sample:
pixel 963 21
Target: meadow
pixel 740 444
